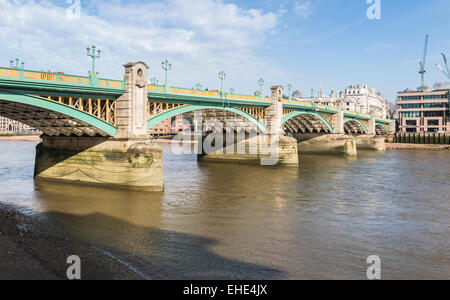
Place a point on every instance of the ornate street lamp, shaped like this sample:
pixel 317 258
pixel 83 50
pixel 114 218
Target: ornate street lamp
pixel 154 81
pixel 94 55
pixel 222 77
pixel 11 62
pixel 261 85
pixel 166 66
pixel 290 94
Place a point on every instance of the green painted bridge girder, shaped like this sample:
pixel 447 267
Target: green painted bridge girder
pixel 27 85
pixel 204 100
pixel 63 109
pixel 190 108
pixel 384 126
pixel 298 113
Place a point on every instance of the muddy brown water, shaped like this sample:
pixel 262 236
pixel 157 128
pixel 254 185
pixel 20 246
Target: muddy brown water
pixel 226 221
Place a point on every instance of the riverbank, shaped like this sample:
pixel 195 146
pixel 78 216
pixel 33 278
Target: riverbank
pixel 170 141
pixel 30 255
pixel 25 138
pixel 399 146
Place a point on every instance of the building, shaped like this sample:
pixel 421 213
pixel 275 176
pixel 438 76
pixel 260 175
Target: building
pixel 173 125
pixel 356 98
pixel 8 126
pixel 423 112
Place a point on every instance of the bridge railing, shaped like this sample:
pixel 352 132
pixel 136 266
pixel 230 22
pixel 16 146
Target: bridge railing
pixel 295 102
pixel 352 113
pixel 28 75
pixel 203 93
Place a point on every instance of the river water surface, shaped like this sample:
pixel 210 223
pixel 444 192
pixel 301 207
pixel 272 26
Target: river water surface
pixel 321 220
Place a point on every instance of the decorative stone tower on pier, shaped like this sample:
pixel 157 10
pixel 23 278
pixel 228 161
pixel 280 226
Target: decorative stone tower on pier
pixel 284 147
pixel 126 161
pixel 132 106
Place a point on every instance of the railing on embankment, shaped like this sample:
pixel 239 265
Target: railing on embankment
pixel 420 138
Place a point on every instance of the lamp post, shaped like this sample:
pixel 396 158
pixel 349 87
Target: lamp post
pixel 11 62
pixel 166 66
pixel 94 55
pixel 198 86
pixel 290 94
pixel 261 85
pixel 222 77
pixel 312 97
pixel 154 81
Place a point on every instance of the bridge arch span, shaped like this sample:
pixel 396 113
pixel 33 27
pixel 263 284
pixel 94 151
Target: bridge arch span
pixel 52 118
pixel 155 120
pixel 306 122
pixel 381 129
pixel 354 126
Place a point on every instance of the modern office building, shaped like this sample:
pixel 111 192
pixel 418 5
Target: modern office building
pixel 424 111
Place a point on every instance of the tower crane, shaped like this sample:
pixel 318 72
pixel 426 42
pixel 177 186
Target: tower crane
pixel 446 70
pixel 422 65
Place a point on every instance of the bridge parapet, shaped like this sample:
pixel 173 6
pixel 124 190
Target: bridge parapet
pixel 58 78
pixel 158 90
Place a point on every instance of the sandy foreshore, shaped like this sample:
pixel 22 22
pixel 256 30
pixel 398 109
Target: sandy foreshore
pixel 27 138
pixel 392 146
pixel 30 255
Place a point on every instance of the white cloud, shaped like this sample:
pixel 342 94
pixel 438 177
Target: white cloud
pixel 303 9
pixel 200 37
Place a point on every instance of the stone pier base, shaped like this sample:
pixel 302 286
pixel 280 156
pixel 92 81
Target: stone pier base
pixel 370 142
pixel 333 144
pixel 119 163
pixel 250 151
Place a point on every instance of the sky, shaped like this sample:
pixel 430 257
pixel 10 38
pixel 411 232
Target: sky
pixel 307 43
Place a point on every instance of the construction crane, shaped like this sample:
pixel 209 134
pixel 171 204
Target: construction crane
pixel 446 70
pixel 422 65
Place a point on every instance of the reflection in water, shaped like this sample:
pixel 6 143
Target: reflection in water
pixel 320 220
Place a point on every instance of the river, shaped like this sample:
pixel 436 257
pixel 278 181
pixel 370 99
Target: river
pixel 321 220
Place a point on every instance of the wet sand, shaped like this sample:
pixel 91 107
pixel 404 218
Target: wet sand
pixel 28 138
pixel 29 255
pixel 399 146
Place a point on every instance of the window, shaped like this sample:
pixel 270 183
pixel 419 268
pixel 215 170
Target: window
pixel 413 114
pixel 410 98
pixel 410 106
pixel 435 97
pixel 433 123
pixel 411 123
pixel 433 114
pixel 432 105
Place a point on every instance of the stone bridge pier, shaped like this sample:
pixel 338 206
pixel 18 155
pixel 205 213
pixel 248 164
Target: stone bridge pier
pixel 126 161
pixel 371 141
pixel 251 145
pixel 335 143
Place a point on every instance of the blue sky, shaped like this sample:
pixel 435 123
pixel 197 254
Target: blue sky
pixel 307 43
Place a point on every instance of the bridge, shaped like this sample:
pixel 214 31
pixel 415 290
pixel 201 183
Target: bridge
pixel 86 116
